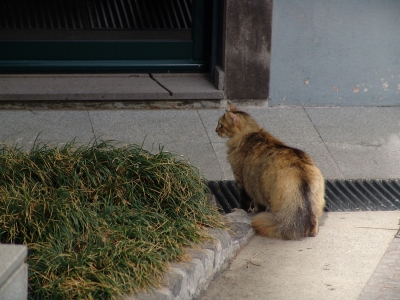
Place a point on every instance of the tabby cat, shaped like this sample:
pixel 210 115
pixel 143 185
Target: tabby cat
pixel 272 175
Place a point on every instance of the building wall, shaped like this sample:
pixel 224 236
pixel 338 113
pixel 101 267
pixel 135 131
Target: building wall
pixel 335 53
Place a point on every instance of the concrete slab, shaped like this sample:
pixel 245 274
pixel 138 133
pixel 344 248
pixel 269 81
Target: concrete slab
pixel 180 132
pixel 334 265
pixel 189 86
pixel 356 125
pixel 322 158
pixel 363 141
pixel 220 151
pixel 367 161
pixel 210 122
pixel 200 155
pixel 154 127
pixel 22 127
pixel 80 87
pixel 291 124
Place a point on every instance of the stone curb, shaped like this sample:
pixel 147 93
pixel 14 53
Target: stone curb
pixel 186 280
pixel 13 272
pixel 385 281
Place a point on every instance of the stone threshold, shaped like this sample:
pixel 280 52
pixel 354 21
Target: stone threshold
pixel 108 87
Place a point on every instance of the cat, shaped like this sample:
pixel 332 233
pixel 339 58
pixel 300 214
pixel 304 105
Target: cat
pixel 271 175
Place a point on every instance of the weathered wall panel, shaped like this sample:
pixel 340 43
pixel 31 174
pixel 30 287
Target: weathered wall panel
pixel 334 52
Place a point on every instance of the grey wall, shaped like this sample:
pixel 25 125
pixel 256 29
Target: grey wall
pixel 335 52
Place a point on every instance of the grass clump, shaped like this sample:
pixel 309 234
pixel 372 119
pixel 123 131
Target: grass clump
pixel 100 220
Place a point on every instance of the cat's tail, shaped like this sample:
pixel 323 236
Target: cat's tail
pixel 294 220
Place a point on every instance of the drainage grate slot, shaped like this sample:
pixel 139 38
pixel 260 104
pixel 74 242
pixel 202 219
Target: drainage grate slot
pixel 340 195
pixel 369 196
pixel 385 192
pixel 220 198
pixel 333 200
pixel 393 189
pixel 358 195
pixel 232 187
pixel 343 197
pixel 384 201
pixel 352 195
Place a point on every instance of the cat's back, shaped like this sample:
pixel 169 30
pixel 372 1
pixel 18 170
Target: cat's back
pixel 261 150
pixel 258 144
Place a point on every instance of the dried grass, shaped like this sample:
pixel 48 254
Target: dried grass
pixel 100 220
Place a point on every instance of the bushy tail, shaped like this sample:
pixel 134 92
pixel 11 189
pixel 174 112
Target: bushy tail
pixel 293 221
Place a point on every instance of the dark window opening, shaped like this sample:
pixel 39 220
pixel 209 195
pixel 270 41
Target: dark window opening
pixel 95 19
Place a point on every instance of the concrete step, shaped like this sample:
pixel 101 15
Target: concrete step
pixel 82 87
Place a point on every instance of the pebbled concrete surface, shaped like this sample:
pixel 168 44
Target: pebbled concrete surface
pixel 346 143
pixel 335 264
pixel 358 143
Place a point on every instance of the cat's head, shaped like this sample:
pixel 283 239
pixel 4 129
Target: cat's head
pixel 233 122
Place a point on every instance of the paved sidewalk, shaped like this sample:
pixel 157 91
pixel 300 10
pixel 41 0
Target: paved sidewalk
pixel 336 264
pixel 346 143
pixel 351 142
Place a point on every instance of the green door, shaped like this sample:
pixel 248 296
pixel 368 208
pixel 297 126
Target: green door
pixel 104 35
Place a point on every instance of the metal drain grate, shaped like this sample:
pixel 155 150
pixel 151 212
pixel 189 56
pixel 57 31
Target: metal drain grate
pixel 95 14
pixel 340 195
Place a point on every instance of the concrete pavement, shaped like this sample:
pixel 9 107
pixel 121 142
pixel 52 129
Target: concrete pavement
pixel 346 143
pixel 334 265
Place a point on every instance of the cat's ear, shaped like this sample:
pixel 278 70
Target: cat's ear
pixel 232 107
pixel 232 118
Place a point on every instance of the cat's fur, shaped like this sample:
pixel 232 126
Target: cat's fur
pixel 275 176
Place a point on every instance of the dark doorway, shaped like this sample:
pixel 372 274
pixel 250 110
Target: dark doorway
pixel 104 35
